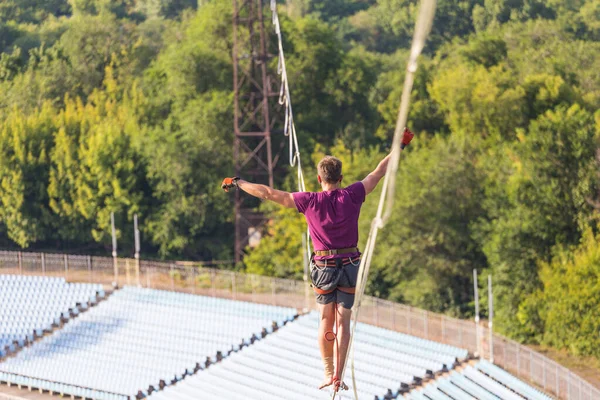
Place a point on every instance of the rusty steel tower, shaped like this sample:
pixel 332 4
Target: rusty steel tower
pixel 252 123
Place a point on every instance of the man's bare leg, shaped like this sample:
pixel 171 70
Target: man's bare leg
pixel 344 318
pixel 326 325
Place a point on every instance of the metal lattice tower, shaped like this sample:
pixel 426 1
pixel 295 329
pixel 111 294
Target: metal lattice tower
pixel 252 151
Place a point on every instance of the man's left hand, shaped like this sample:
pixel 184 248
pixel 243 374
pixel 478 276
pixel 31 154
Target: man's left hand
pixel 407 136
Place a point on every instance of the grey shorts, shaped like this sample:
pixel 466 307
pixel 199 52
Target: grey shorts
pixel 326 278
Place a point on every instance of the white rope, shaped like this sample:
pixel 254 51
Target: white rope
pixel 386 201
pixel 289 128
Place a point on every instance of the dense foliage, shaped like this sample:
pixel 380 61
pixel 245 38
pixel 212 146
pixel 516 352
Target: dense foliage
pixel 125 106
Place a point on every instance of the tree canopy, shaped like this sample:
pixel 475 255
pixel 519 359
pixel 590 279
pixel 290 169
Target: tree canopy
pixel 126 106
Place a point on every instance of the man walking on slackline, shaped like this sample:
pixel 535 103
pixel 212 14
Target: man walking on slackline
pixel 332 217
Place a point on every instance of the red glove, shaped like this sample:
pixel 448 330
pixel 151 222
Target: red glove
pixel 229 183
pixel 406 138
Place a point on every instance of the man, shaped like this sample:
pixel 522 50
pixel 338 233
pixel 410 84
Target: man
pixel 332 217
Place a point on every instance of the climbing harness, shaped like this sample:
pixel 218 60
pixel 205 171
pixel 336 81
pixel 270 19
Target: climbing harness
pixel 334 252
pixel 386 200
pixel 334 263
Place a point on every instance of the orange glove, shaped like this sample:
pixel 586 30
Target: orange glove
pixel 229 183
pixel 407 136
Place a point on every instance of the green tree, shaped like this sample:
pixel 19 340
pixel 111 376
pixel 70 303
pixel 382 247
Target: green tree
pixel 393 22
pixel 329 10
pixel 488 103
pixel 90 44
pixel 424 113
pixel 566 306
pixel 190 216
pixel 495 12
pixel 9 32
pixel 32 11
pixel 25 143
pixel 330 86
pixel 426 254
pixel 279 254
pixel 97 166
pixel 539 201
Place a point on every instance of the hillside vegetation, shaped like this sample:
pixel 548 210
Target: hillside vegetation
pixel 126 106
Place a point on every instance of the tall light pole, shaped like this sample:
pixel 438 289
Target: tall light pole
pixel 491 317
pixel 136 234
pixel 114 247
pixel 477 326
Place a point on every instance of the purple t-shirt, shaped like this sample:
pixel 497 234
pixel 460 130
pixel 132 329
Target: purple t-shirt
pixel 332 217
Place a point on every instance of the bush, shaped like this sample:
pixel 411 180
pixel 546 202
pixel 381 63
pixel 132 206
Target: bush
pixel 569 302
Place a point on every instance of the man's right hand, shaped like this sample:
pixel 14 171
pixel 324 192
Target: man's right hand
pixel 407 136
pixel 229 183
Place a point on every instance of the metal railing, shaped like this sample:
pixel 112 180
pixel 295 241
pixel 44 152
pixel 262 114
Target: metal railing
pixel 197 278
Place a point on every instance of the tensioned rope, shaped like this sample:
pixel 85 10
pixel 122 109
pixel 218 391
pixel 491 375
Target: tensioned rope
pixel 386 200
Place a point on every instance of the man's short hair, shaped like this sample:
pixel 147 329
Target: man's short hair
pixel 330 169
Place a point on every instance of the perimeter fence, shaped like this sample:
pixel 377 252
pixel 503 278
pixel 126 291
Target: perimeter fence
pixel 209 279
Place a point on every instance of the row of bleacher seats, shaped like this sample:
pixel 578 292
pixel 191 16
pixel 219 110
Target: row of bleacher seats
pixel 140 338
pixel 30 305
pixel 56 387
pixel 287 364
pixel 484 381
pixel 143 337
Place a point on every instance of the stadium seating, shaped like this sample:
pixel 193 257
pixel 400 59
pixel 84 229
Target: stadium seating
pixel 287 364
pixel 484 381
pixel 139 337
pixel 141 340
pixel 500 375
pixel 30 305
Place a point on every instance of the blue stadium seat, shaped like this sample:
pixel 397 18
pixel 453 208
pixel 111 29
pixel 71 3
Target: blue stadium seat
pixel 468 386
pixel 142 337
pixel 499 375
pixel 287 364
pixel 30 305
pixel 445 385
pixel 139 337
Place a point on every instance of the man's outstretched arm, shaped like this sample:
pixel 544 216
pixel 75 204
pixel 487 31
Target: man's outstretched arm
pixel 262 192
pixel 371 181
